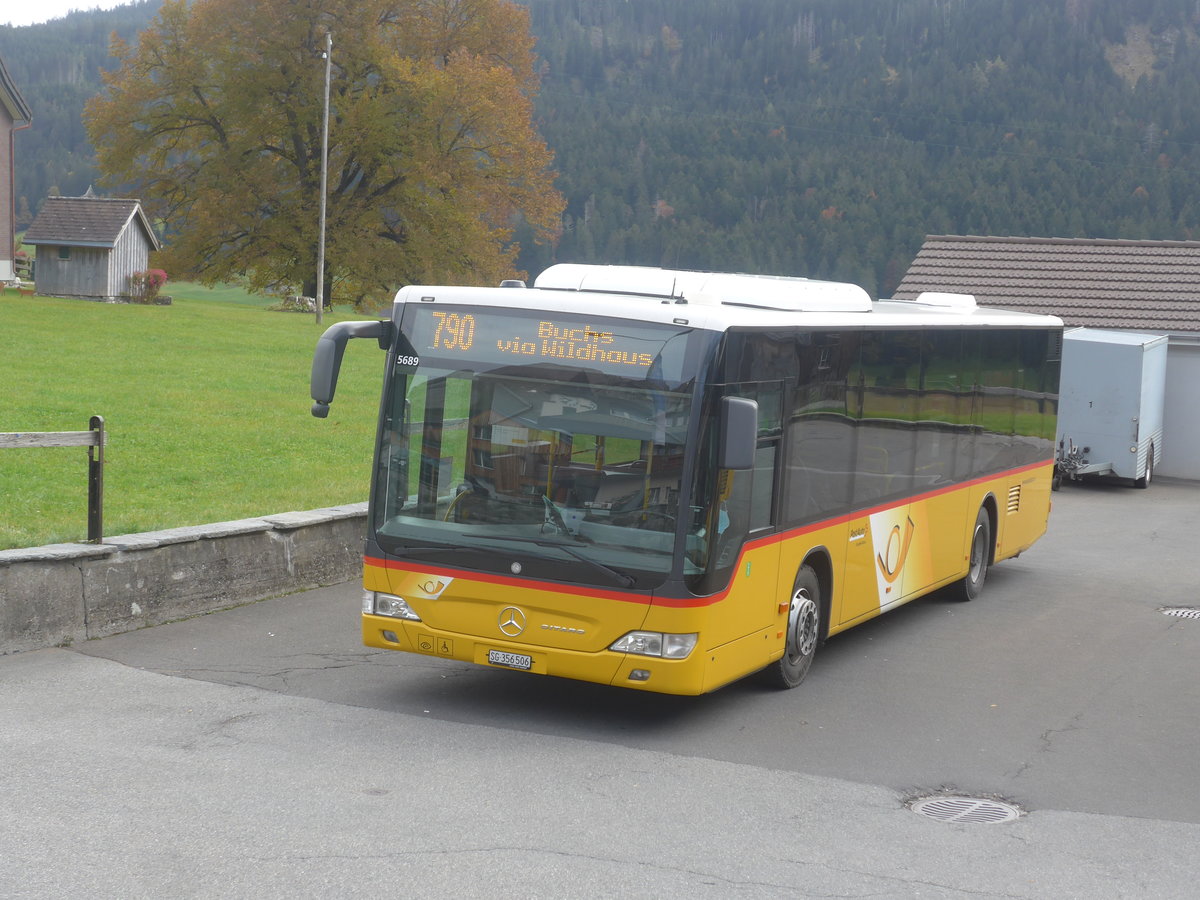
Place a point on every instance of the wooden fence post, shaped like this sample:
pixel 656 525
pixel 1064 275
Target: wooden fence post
pixel 94 440
pixel 96 482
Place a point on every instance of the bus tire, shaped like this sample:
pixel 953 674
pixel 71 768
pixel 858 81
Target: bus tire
pixel 803 632
pixel 971 586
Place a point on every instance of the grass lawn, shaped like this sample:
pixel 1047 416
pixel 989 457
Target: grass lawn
pixel 206 406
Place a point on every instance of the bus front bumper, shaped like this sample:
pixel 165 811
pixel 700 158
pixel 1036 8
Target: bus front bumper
pixel 647 673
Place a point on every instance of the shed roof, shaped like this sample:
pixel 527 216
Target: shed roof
pixel 87 222
pixel 1141 285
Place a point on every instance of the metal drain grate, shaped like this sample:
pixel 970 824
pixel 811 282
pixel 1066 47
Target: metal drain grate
pixel 970 810
pixel 1181 612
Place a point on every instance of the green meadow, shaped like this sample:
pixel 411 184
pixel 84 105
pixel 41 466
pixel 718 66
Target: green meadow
pixel 206 406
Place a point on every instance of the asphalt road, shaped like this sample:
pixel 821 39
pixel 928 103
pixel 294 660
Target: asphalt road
pixel 263 751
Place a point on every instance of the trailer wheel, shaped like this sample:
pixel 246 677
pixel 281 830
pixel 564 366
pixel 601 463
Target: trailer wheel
pixel 1144 481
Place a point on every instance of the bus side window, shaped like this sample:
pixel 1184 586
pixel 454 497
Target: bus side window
pixel 762 507
pixel 819 451
pixel 747 506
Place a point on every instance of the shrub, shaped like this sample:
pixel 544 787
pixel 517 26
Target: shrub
pixel 144 286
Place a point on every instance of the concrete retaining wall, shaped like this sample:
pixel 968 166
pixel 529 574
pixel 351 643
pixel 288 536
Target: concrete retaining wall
pixel 63 593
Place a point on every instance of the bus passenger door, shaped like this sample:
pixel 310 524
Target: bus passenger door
pixel 886 377
pixel 747 511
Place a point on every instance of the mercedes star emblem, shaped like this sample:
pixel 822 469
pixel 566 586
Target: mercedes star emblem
pixel 512 621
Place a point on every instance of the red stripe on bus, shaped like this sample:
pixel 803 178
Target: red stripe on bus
pixel 686 602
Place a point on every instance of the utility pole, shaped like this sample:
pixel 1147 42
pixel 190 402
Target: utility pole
pixel 320 304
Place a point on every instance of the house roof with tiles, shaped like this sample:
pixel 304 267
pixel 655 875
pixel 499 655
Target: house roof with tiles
pixel 1131 285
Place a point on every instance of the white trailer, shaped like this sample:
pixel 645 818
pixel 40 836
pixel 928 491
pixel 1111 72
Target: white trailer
pixel 1110 413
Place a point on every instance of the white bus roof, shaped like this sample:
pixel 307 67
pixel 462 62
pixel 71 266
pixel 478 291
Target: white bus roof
pixel 718 301
pixel 768 291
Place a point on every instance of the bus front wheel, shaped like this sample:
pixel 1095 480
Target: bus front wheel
pixel 803 631
pixel 981 552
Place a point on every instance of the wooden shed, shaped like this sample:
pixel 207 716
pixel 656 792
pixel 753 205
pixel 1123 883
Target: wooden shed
pixel 90 246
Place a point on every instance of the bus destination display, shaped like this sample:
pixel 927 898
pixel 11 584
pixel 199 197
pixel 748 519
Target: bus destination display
pixel 485 336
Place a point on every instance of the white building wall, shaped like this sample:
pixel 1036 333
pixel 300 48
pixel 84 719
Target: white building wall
pixel 1181 412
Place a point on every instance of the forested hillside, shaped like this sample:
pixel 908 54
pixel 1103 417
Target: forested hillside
pixel 827 137
pixel 810 137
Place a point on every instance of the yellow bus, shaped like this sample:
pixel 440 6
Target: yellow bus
pixel 669 480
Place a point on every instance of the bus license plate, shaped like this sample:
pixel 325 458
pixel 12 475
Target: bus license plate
pixel 510 660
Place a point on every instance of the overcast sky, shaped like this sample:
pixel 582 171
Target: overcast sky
pixel 29 12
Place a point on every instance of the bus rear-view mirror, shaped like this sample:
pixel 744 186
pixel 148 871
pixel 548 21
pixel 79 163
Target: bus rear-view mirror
pixel 739 432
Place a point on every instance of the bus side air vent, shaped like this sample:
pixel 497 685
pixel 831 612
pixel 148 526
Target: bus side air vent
pixel 1014 499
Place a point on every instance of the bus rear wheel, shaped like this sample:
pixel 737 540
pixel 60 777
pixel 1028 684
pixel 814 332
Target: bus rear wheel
pixel 981 552
pixel 803 632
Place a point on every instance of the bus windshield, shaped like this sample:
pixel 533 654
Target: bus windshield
pixel 556 463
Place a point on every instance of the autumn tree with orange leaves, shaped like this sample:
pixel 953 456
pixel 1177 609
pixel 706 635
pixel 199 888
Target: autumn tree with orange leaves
pixel 214 120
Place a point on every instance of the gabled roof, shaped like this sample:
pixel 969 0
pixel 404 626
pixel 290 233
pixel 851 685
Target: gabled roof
pixel 11 99
pixel 87 222
pixel 1142 285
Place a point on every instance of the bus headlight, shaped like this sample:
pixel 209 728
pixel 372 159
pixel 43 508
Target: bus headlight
pixel 376 603
pixel 654 643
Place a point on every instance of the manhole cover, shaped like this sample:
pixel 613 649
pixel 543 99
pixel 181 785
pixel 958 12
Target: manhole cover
pixel 971 810
pixel 1181 612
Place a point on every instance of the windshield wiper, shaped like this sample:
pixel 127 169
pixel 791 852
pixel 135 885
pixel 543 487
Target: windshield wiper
pixel 623 578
